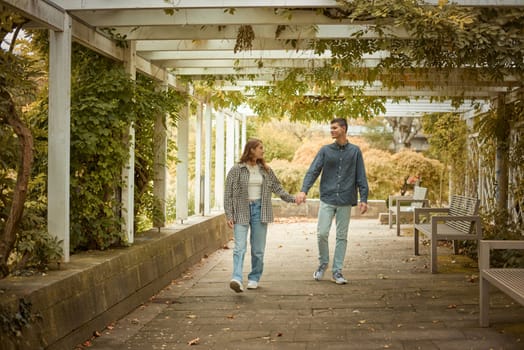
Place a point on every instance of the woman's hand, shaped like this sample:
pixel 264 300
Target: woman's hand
pixel 230 223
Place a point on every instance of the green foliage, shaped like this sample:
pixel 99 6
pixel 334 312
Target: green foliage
pixel 493 230
pixel 150 104
pixel 13 322
pixel 447 138
pixel 313 96
pixel 101 114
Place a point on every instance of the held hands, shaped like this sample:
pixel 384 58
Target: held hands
pixel 230 223
pixel 300 198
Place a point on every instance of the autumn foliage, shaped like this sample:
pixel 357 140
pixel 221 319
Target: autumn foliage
pixel 386 171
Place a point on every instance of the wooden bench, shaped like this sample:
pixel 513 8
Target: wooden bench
pixel 417 200
pixel 508 280
pixel 458 222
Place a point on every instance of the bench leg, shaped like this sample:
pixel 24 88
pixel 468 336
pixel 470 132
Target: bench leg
pixel 484 303
pixel 398 224
pixel 455 247
pixel 415 235
pixel 434 244
pixel 390 218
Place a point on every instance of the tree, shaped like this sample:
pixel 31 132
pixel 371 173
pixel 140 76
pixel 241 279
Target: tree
pixel 14 82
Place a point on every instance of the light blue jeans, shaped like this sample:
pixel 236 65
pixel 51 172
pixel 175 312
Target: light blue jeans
pixel 257 239
pixel 342 215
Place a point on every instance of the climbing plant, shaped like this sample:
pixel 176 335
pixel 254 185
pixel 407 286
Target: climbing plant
pixel 151 102
pixel 447 137
pixel 418 45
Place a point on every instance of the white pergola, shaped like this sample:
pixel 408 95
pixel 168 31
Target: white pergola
pixel 197 39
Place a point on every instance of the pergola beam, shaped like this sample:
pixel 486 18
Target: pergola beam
pixel 263 31
pixel 219 45
pixel 207 17
pixel 179 4
pixel 39 11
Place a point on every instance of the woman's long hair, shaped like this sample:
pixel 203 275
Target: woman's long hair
pixel 247 155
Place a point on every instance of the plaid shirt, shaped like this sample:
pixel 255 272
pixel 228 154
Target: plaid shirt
pixel 236 201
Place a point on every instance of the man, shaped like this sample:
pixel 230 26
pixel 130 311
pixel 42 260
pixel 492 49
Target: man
pixel 342 168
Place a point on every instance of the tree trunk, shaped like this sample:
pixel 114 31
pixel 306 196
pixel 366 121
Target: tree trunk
pixel 501 158
pixel 25 139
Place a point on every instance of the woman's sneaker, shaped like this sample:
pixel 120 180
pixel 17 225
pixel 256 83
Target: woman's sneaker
pixel 317 275
pixel 236 286
pixel 252 284
pixel 338 278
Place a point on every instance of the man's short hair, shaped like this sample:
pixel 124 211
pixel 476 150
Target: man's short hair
pixel 341 121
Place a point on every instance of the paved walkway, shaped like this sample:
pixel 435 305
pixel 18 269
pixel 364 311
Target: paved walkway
pixel 391 302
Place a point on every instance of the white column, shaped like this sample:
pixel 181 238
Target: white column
pixel 59 135
pixel 208 123
pixel 128 171
pixel 244 132
pixel 238 140
pixel 198 160
pixel 182 166
pixel 219 162
pixel 230 142
pixel 160 168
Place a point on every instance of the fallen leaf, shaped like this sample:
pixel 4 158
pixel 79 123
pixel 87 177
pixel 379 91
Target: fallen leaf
pixel 452 306
pixel 231 316
pixel 135 321
pixel 279 334
pixel 87 343
pixel 193 341
pixel 97 334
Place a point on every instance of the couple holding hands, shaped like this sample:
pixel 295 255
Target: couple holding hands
pixel 247 202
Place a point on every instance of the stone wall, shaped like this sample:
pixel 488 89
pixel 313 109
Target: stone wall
pixel 97 288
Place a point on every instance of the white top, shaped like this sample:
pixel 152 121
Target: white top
pixel 254 186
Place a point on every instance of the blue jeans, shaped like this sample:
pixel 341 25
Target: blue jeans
pixel 257 240
pixel 342 215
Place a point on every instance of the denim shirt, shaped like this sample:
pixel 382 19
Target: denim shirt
pixel 343 171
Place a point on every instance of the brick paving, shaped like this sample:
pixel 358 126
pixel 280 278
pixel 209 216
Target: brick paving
pixel 392 301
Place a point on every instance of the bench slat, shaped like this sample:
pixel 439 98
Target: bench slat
pixel 462 206
pixel 509 280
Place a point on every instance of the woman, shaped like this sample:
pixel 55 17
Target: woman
pixel 247 203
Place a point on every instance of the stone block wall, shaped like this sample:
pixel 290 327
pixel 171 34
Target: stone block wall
pixel 97 288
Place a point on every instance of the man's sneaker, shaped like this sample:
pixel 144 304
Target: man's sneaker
pixel 338 278
pixel 236 286
pixel 252 284
pixel 317 275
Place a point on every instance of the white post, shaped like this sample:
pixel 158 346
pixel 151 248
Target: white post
pixel 182 167
pixel 219 162
pixel 198 160
pixel 59 144
pixel 230 142
pixel 160 168
pixel 244 132
pixel 207 167
pixel 128 170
